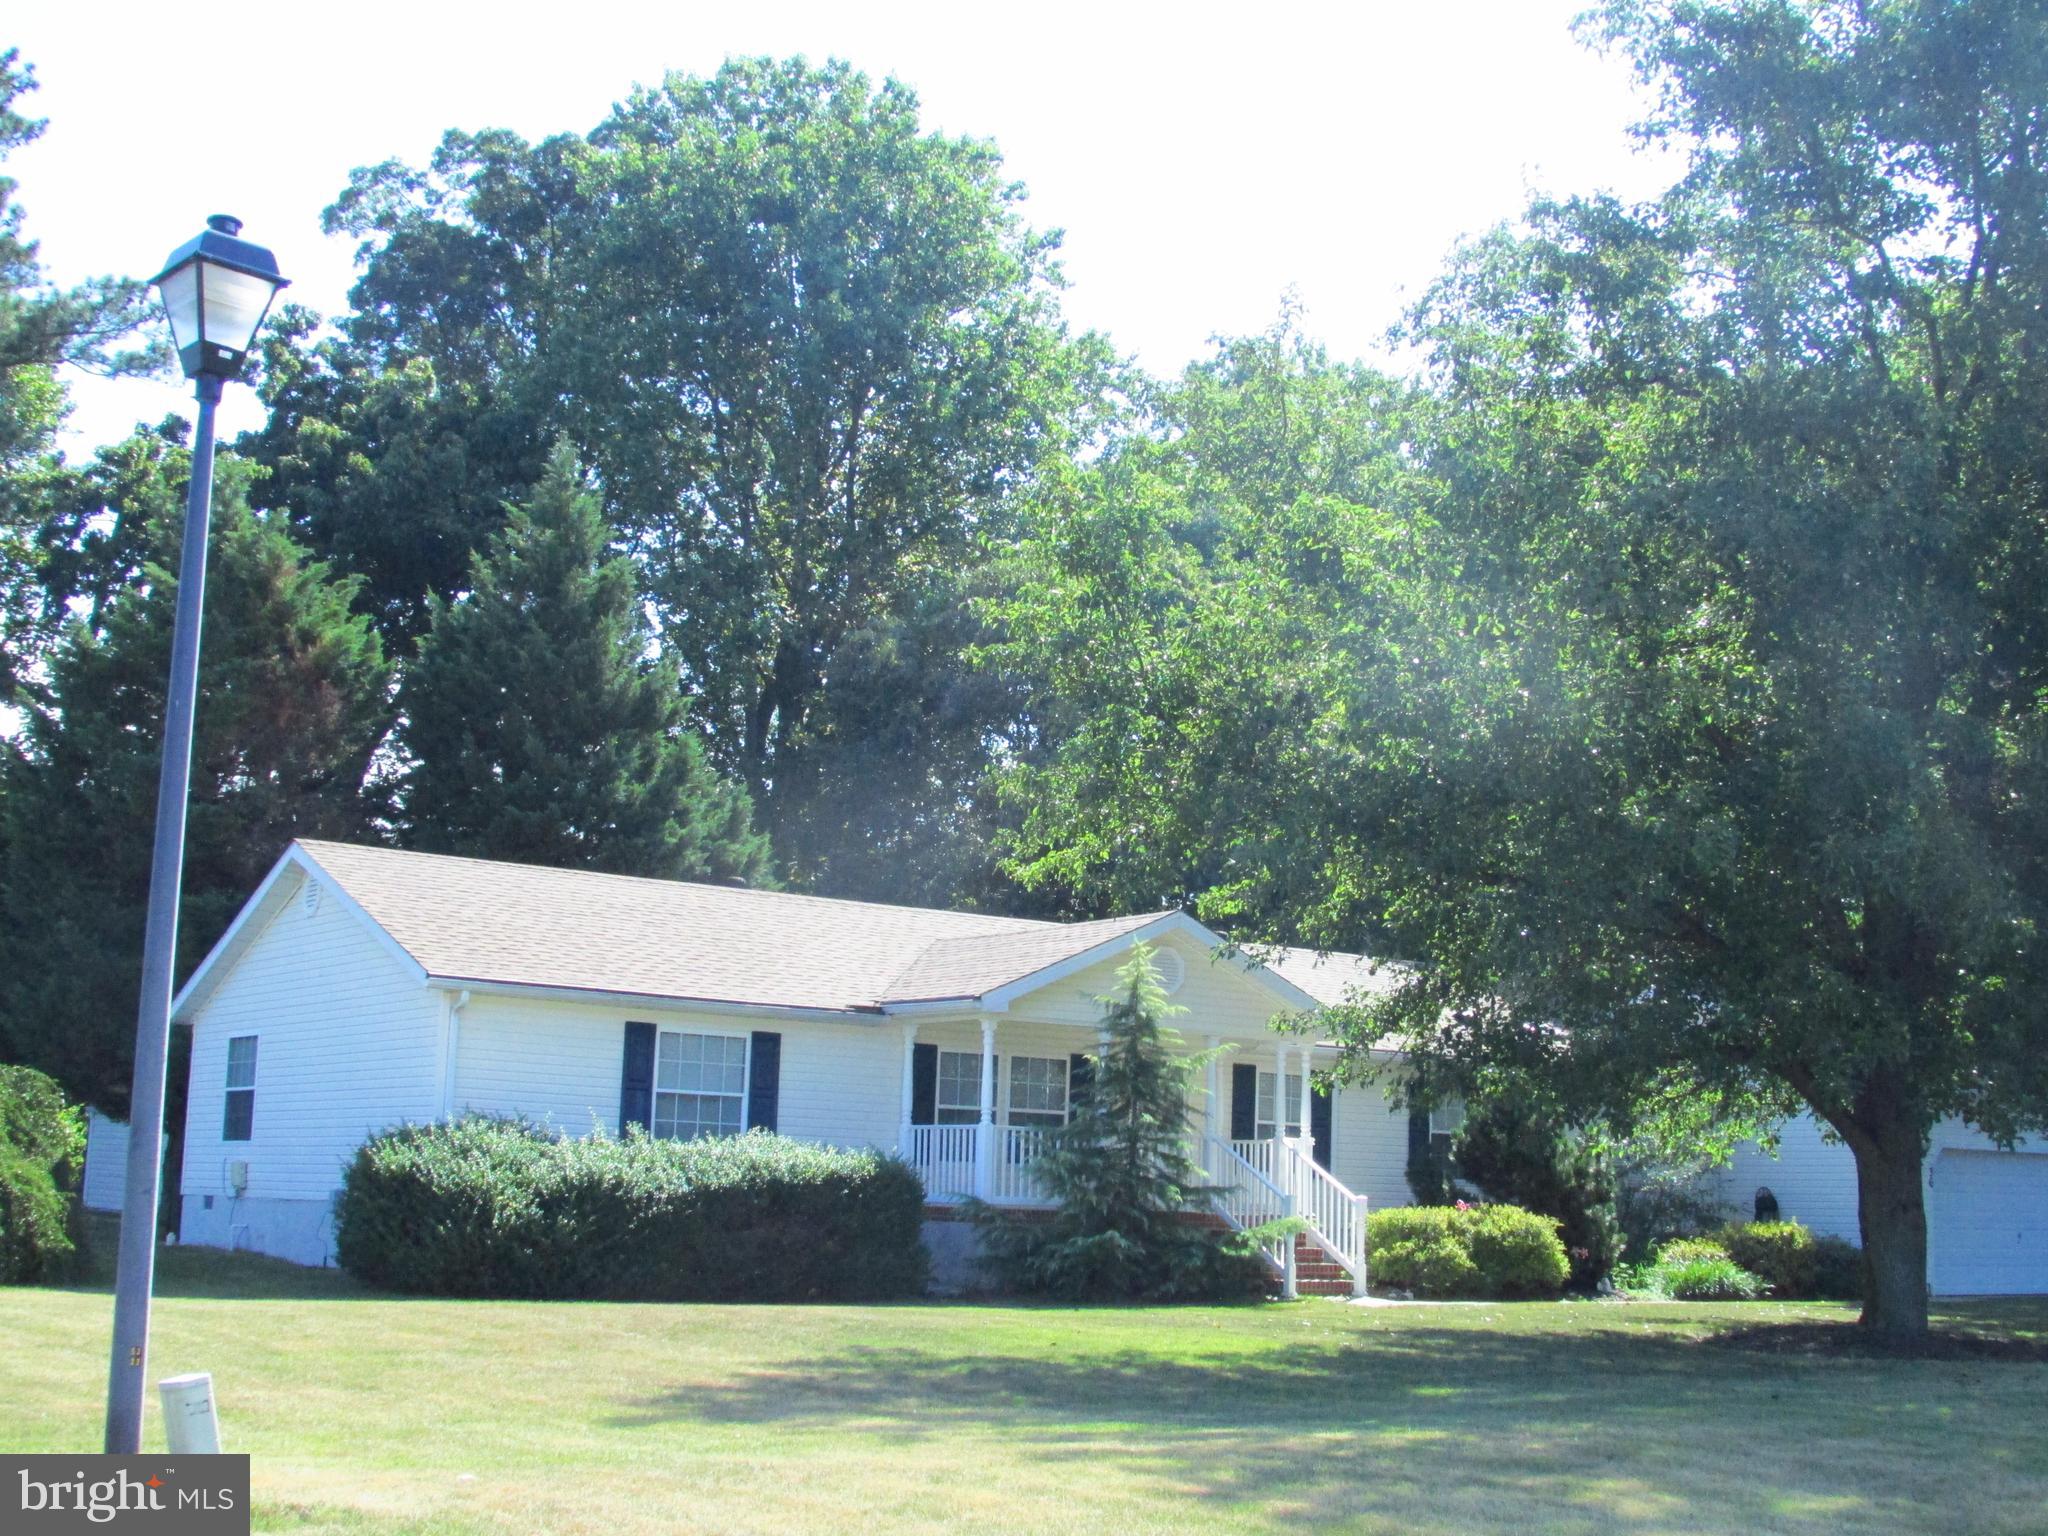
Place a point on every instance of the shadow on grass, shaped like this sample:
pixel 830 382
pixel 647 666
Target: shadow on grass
pixel 1430 1428
pixel 209 1272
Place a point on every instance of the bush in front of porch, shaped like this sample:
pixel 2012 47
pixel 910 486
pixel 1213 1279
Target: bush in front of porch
pixel 489 1207
pixel 1130 1221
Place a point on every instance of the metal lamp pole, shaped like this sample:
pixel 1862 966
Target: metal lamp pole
pixel 216 289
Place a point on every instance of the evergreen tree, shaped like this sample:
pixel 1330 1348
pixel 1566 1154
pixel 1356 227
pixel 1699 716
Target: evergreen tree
pixel 1521 1153
pixel 541 730
pixel 293 703
pixel 1122 1179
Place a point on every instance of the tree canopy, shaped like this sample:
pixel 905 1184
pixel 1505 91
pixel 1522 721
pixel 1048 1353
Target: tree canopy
pixel 1677 703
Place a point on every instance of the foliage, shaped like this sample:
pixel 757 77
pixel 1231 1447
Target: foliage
pixel 42 329
pixel 1837 1269
pixel 1792 1261
pixel 1677 700
pixel 1659 1197
pixel 1707 1279
pixel 1515 1151
pixel 1465 1250
pixel 1690 1250
pixel 42 1152
pixel 293 704
pixel 484 1207
pixel 809 352
pixel 1121 1178
pixel 536 727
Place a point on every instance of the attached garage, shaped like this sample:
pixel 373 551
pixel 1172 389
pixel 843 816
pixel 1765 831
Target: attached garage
pixel 1988 1223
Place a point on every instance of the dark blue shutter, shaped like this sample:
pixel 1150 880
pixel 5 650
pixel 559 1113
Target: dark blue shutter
pixel 764 1080
pixel 1080 1081
pixel 1418 1137
pixel 1319 1125
pixel 636 1078
pixel 924 1085
pixel 1244 1101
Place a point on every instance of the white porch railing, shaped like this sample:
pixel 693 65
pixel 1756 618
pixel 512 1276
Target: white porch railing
pixel 1011 1181
pixel 1255 1182
pixel 1335 1216
pixel 945 1157
pixel 1245 1197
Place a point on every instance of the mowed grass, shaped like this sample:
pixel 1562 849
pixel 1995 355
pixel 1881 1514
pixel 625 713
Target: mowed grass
pixel 381 1415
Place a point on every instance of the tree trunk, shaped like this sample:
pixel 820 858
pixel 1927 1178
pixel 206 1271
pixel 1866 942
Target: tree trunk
pixel 1891 1206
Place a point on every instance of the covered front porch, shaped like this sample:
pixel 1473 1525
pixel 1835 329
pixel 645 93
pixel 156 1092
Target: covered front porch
pixel 980 1097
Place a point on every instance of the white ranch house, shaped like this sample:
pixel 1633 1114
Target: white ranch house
pixel 362 988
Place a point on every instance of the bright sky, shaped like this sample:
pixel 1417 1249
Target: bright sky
pixel 1202 159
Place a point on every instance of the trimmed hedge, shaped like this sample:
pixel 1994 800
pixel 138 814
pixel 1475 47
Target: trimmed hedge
pixel 42 1148
pixel 1488 1251
pixel 502 1208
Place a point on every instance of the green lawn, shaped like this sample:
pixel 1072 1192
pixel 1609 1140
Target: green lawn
pixel 370 1414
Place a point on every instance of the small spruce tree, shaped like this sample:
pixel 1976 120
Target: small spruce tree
pixel 1124 1182
pixel 539 728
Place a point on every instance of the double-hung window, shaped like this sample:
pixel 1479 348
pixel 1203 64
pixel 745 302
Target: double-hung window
pixel 238 1117
pixel 1038 1090
pixel 700 1085
pixel 958 1097
pixel 1270 1114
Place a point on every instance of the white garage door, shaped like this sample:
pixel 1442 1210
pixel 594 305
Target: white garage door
pixel 1989 1230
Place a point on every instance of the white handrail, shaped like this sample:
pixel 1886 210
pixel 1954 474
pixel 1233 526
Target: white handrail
pixel 1335 1215
pixel 1245 1197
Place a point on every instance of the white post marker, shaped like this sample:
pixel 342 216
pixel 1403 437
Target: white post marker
pixel 190 1425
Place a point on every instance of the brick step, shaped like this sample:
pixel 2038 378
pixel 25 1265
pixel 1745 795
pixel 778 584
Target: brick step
pixel 1321 1272
pixel 1306 1287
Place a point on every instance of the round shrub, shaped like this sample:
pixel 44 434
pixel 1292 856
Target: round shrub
pixel 1782 1254
pixel 499 1208
pixel 1466 1250
pixel 1519 1253
pixel 1707 1279
pixel 42 1145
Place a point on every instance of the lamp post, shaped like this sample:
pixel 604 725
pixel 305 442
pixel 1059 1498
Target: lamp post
pixel 216 290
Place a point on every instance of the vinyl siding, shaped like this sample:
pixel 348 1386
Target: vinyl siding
pixel 106 1162
pixel 348 1044
pixel 1370 1155
pixel 558 1062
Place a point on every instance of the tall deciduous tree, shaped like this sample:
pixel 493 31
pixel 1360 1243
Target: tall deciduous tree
pixel 1696 732
pixel 293 703
pixel 542 729
pixel 809 351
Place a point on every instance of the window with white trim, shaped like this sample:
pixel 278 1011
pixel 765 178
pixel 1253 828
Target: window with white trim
pixel 1038 1090
pixel 1267 1082
pixel 700 1085
pixel 238 1115
pixel 1445 1121
pixel 957 1100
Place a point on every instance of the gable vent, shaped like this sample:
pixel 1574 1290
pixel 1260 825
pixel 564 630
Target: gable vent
pixel 309 898
pixel 1173 970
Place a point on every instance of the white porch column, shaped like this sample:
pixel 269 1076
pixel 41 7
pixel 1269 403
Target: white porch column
pixel 909 1087
pixel 1280 1093
pixel 985 1141
pixel 1307 1056
pixel 1211 1076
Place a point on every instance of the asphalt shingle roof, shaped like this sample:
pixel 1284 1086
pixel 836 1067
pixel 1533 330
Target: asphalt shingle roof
pixel 527 925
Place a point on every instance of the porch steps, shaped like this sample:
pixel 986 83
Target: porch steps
pixel 1316 1273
